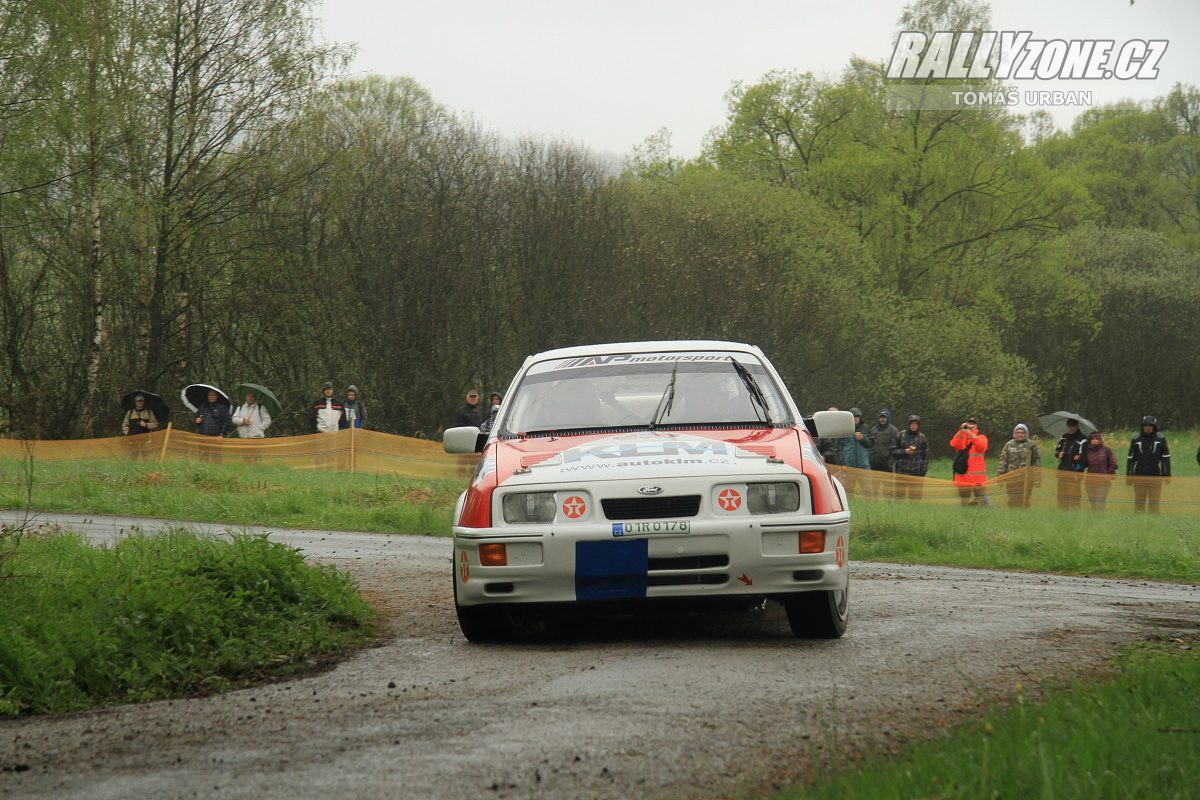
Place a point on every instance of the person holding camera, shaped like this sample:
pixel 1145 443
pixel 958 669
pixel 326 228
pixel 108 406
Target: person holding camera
pixel 970 466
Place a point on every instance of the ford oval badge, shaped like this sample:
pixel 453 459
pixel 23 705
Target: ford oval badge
pixel 649 490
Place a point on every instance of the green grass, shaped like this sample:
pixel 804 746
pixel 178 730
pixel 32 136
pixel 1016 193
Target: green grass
pixel 1111 544
pixel 1136 735
pixel 235 494
pixel 169 615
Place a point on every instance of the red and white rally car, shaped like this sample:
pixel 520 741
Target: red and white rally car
pixel 647 470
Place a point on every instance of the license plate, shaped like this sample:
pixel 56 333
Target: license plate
pixel 661 526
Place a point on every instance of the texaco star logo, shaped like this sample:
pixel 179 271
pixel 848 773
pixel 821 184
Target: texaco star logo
pixel 574 507
pixel 729 500
pixel 465 567
pixel 841 552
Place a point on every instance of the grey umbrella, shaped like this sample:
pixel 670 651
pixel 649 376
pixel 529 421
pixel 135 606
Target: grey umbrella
pixel 1056 424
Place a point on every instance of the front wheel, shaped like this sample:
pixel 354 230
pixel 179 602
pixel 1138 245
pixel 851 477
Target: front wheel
pixel 483 624
pixel 819 615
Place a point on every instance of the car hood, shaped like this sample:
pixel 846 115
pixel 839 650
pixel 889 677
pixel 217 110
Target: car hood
pixel 646 454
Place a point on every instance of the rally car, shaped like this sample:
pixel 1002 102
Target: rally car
pixel 635 471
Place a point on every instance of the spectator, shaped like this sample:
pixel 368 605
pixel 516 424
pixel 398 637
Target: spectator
pixel 138 419
pixel 884 436
pixel 854 452
pixel 1149 459
pixel 469 414
pixel 327 411
pixel 1101 466
pixel 829 448
pixel 354 414
pixel 1020 453
pixel 972 484
pixel 911 455
pixel 1072 459
pixel 493 410
pixel 212 417
pixel 251 419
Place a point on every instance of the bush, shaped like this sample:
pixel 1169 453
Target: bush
pixel 159 616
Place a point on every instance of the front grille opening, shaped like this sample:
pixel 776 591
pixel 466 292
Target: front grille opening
pixel 807 575
pixel 651 507
pixel 700 579
pixel 689 562
pixel 498 588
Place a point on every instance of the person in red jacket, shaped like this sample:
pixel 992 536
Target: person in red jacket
pixel 972 485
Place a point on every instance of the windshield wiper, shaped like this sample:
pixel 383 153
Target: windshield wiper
pixel 756 392
pixel 668 398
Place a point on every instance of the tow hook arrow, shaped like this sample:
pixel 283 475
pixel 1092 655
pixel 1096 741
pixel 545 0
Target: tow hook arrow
pixel 746 580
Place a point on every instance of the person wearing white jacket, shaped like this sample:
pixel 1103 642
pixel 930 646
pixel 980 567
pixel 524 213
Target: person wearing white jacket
pixel 251 419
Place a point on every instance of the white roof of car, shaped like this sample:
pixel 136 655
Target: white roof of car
pixel 645 347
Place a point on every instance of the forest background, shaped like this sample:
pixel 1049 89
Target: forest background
pixel 191 191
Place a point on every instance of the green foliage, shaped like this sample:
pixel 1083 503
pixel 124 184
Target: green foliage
pixel 162 616
pixel 1131 734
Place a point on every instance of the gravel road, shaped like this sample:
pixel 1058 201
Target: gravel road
pixel 671 706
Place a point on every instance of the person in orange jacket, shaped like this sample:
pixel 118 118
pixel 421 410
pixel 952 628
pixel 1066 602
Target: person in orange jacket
pixel 972 484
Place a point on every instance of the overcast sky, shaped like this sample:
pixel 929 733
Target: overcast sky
pixel 607 74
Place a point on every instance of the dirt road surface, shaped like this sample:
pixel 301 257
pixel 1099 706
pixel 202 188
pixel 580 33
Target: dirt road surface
pixel 669 706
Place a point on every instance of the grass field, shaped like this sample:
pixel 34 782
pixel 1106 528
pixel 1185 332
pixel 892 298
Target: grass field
pixel 235 494
pixel 1135 735
pixel 1111 544
pixel 161 616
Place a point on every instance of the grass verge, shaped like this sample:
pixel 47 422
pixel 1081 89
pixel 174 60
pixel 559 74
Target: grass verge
pixel 1135 735
pixel 275 496
pixel 1113 544
pixel 161 616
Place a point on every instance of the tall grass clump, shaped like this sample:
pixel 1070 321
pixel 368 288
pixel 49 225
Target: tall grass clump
pixel 160 616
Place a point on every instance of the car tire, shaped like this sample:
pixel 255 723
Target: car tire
pixel 819 615
pixel 484 624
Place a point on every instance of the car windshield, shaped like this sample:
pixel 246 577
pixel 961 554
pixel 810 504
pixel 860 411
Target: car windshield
pixel 628 390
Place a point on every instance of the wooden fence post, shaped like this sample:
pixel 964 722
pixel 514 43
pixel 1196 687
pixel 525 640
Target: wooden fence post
pixel 166 438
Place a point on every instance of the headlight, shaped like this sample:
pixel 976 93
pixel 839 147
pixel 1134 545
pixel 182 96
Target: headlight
pixel 529 507
pixel 772 498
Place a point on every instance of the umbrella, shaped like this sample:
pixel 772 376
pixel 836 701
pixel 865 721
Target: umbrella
pixel 264 395
pixel 1056 424
pixel 196 394
pixel 153 402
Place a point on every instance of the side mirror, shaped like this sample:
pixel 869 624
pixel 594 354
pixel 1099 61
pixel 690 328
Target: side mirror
pixel 832 424
pixel 463 440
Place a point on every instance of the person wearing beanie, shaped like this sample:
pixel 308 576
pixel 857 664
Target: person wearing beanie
pixel 1101 469
pixel 972 484
pixel 1020 453
pixel 354 413
pixel 1149 460
pixel 326 413
pixel 884 436
pixel 911 456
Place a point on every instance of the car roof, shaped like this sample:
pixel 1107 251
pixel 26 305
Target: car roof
pixel 666 346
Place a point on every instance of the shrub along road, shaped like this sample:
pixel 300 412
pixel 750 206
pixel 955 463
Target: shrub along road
pixel 667 707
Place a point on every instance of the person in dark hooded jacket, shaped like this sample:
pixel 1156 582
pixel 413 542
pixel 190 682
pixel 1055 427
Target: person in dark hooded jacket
pixel 855 451
pixel 353 411
pixel 911 457
pixel 1149 459
pixel 884 436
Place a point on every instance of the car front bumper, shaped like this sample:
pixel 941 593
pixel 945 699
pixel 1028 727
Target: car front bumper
pixel 715 558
